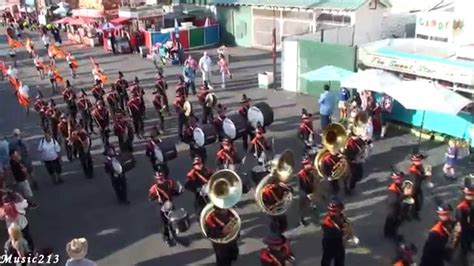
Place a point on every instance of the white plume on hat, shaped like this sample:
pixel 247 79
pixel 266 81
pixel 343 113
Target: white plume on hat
pixel 77 248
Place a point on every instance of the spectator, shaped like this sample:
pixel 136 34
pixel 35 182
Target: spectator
pixel 224 69
pixel 189 78
pixel 17 143
pixel 344 96
pixel 134 43
pixel 77 251
pixel 16 246
pixel 20 174
pixel 5 155
pixel 326 106
pixel 205 64
pixel 46 41
pixel 49 149
pixel 113 43
pixel 192 63
pixel 14 207
pixel 56 35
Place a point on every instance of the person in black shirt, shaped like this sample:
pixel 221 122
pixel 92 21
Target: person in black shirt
pixel 20 174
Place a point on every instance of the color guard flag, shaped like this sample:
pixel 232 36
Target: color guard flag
pixel 23 96
pixel 14 43
pixel 14 83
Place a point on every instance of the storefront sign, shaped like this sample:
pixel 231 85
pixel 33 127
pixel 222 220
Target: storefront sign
pixel 433 70
pixel 441 25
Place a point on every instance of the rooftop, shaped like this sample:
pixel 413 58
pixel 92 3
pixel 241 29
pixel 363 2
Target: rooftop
pixel 324 4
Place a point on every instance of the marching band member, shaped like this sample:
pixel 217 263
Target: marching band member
pixel 124 132
pixel 219 120
pixel 52 78
pixel 53 115
pixel 150 148
pixel 244 108
pixel 333 235
pixel 137 89
pixel 344 96
pixel 178 105
pixel 465 216
pixel 160 106
pixel 119 180
pixel 101 118
pixel 309 187
pixel 181 86
pixel 66 125
pixel 113 99
pixel 417 170
pixel 216 227
pixel 271 195
pixel 163 192
pixel 437 248
pixel 40 106
pixel 81 142
pixel 72 62
pixel 206 110
pixel 260 144
pixel 122 85
pixel 84 105
pixel 161 87
pixel 137 112
pixel 39 66
pixel 70 99
pixel 451 158
pixel 355 146
pixel 277 252
pixel 197 179
pixel 227 155
pixel 395 213
pixel 387 105
pixel 98 91
pixel 188 137
pixel 305 129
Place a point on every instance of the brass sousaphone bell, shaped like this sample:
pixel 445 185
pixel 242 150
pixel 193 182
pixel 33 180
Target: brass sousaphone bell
pixel 281 169
pixel 225 190
pixel 329 162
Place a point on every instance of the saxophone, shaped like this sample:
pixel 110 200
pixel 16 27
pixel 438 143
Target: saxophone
pixel 454 236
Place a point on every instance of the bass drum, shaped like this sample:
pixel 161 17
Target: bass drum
pixel 234 125
pixel 260 113
pixel 165 152
pixel 205 135
pixel 179 221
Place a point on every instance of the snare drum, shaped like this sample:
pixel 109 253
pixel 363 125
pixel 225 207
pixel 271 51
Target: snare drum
pixel 205 135
pixel 165 152
pixel 260 113
pixel 179 221
pixel 234 125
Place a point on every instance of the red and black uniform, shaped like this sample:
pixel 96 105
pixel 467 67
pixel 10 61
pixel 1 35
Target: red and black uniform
pixel 178 106
pixel 276 255
pixel 121 86
pixel 53 115
pixel 70 99
pixel 333 242
pixel 227 157
pixel 40 106
pixel 271 196
pixel 181 88
pixel 113 101
pixel 160 107
pixel 136 89
pixel 82 144
pixel 207 113
pixel 355 145
pixel 84 105
pixel 435 251
pixel 101 118
pixel 196 180
pixel 307 178
pixel 395 214
pixel 66 126
pixel 259 145
pixel 465 216
pixel 124 131
pixel 137 112
pixel 305 129
pixel 163 191
pixel 161 88
pixel 119 180
pixel 98 92
pixel 214 225
pixel 243 111
pixel 417 172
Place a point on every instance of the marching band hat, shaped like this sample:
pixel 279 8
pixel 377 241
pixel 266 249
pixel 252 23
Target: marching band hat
pixel 274 240
pixel 397 175
pixel 84 92
pixel 120 74
pixel 335 205
pixel 417 157
pixel 245 99
pixel 468 187
pixel 444 209
pixel 197 160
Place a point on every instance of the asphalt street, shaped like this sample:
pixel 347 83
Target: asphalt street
pixel 129 235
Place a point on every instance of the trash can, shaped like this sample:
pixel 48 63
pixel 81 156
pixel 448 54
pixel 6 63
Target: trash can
pixel 265 80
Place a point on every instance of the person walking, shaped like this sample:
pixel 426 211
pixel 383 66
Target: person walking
pixel 17 143
pixel 20 174
pixel 224 69
pixel 189 78
pixel 16 246
pixel 50 154
pixel 56 35
pixel 77 251
pixel 326 106
pixel 205 64
pixel 46 41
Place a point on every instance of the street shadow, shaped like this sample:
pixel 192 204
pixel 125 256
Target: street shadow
pixel 182 258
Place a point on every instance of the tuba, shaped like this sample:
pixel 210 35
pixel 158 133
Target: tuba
pixel 225 190
pixel 334 137
pixel 281 169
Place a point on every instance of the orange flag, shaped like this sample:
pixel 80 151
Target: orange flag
pixel 23 97
pixel 3 67
pixel 14 43
pixel 57 51
pixel 103 78
pixel 14 83
pixel 57 76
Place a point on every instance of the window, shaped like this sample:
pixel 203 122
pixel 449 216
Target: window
pixel 333 19
pixel 373 4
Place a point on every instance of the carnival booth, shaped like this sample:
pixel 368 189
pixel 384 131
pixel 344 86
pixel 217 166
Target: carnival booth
pixel 192 35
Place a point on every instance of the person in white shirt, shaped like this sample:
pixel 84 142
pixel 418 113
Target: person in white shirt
pixel 205 64
pixel 50 154
pixel 46 41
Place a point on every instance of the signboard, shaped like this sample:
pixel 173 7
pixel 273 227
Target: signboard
pixel 143 13
pixel 91 4
pixel 440 25
pixel 432 70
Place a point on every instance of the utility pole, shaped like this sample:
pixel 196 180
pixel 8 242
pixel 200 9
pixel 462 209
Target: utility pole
pixel 274 44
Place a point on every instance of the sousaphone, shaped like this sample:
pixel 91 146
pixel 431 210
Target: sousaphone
pixel 225 190
pixel 280 169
